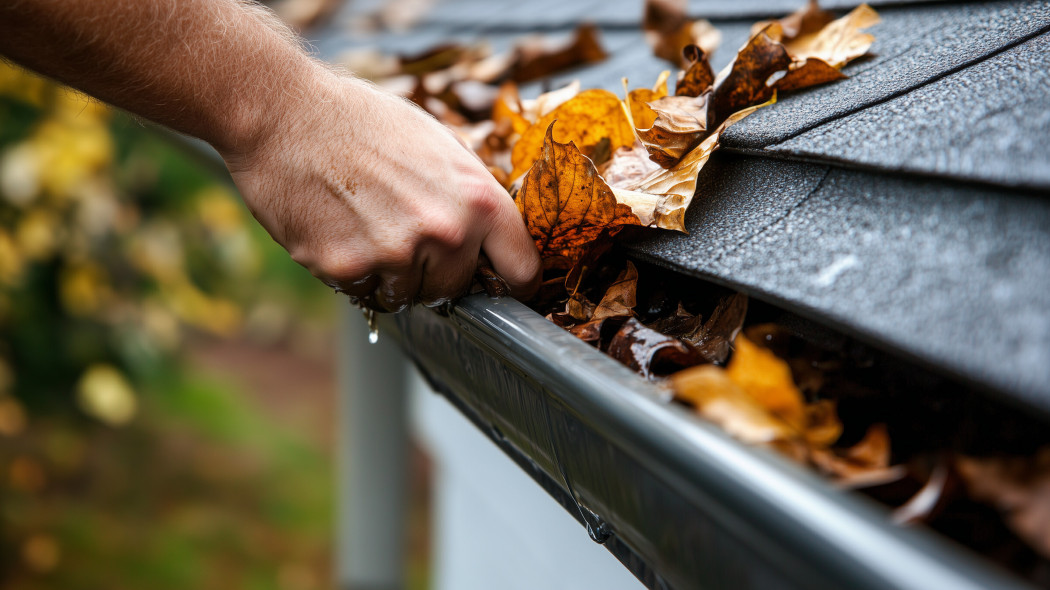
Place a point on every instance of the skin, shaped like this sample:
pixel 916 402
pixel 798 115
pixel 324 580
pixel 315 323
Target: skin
pixel 368 192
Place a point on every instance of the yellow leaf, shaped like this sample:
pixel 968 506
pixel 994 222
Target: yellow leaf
pixel 584 120
pixel 768 380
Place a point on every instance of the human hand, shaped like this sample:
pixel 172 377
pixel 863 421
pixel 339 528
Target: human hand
pixel 378 199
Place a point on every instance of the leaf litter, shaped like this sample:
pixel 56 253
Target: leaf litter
pixel 587 167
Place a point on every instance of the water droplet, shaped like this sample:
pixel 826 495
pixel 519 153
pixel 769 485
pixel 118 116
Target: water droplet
pixel 373 329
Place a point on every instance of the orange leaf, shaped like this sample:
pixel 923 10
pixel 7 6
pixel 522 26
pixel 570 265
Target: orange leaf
pixel 767 379
pixel 566 205
pixel 642 116
pixel 585 120
pixel 719 399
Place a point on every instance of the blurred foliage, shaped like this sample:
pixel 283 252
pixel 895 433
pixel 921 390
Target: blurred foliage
pixel 119 246
pixel 113 242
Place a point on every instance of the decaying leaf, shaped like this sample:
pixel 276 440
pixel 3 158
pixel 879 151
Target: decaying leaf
pixel 714 338
pixel 697 76
pixel 869 457
pixel 649 352
pixel 584 120
pixel 1019 487
pixel 745 82
pixel 680 125
pixel 621 298
pixel 566 205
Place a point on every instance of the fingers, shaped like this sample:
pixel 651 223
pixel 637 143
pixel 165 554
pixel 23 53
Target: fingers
pixel 512 251
pixel 446 275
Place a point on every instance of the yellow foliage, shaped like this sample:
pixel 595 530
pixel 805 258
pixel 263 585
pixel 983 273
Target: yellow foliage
pixel 104 393
pixel 84 288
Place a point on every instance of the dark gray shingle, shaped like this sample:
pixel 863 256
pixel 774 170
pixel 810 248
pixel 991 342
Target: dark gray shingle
pixel 953 275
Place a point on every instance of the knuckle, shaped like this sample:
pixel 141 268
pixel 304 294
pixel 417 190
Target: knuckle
pixel 397 253
pixel 483 200
pixel 446 230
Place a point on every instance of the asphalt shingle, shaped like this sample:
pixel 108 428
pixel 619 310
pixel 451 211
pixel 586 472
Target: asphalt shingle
pixel 988 122
pixel 914 46
pixel 949 274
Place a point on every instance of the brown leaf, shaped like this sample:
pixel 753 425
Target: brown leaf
pixel 680 125
pixel 743 83
pixel 668 30
pixel 868 458
pixel 1019 487
pixel 806 73
pixel 585 120
pixel 649 352
pixel 697 76
pixel 566 205
pixel 535 59
pixel 767 379
pixel 840 41
pixel 621 297
pixel 722 401
pixel 714 338
pixel 661 199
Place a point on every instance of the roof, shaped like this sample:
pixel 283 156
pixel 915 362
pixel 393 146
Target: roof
pixel 906 206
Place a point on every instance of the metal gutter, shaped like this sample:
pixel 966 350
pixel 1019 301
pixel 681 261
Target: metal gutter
pixel 674 498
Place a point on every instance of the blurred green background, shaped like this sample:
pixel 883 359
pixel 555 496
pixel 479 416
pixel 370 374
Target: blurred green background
pixel 165 370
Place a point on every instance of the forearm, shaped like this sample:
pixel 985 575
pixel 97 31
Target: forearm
pixel 219 70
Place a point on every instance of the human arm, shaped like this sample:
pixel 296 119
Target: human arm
pixel 368 192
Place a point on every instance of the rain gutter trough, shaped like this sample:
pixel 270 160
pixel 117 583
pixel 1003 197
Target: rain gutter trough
pixel 677 501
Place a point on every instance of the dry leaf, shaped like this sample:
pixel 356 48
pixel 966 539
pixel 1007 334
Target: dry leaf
pixel 628 166
pixel 808 20
pixel 566 205
pixel 585 120
pixel 840 41
pixel 697 75
pixel 641 116
pixel 767 379
pixel 680 125
pixel 668 192
pixel 719 399
pixel 620 298
pixel 744 83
